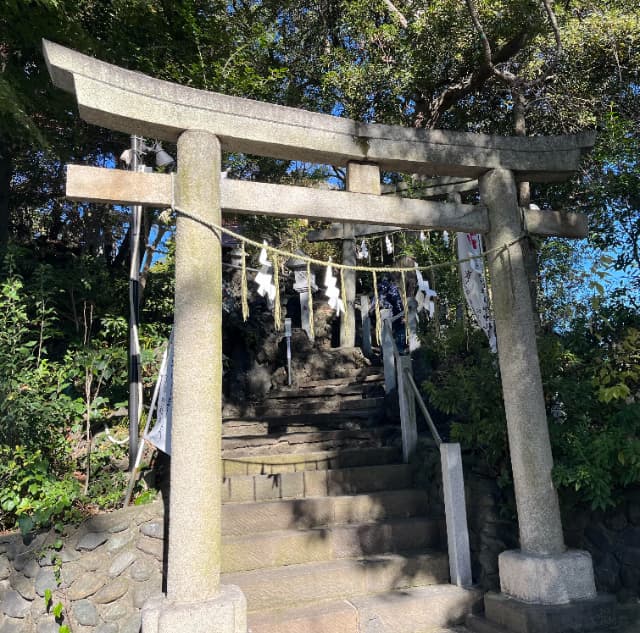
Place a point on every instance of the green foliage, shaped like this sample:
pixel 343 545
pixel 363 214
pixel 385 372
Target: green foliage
pixel 30 492
pixel 591 374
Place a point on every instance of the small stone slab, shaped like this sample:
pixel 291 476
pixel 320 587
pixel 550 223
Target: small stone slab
pixel 47 625
pixel 131 624
pixel 118 541
pixel 86 585
pixel 94 560
pixel 107 627
pixel 153 529
pixel 111 591
pixel 31 569
pixel 24 586
pixel 150 546
pixel 121 562
pixel 85 613
pixel 11 625
pixel 46 579
pixel 145 590
pixel 5 568
pixel 14 605
pixel 142 570
pixel 92 540
pixel 115 612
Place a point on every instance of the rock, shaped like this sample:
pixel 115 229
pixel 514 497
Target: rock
pixel 14 605
pixel 607 574
pixel 154 529
pixel 47 625
pixel 94 560
pixel 599 536
pixel 111 591
pixel 121 526
pixel 142 570
pixel 85 613
pixel 86 585
pixel 46 579
pixel 121 562
pixel 24 586
pixel 11 625
pixel 92 540
pixel 631 536
pixel 258 382
pixel 69 573
pixel 31 569
pixel 145 590
pixel 108 627
pixel 116 611
pixel 21 560
pixel 150 546
pixel 68 555
pixel 131 624
pixel 37 610
pixel 630 577
pixel 5 568
pixel 616 521
pixel 119 541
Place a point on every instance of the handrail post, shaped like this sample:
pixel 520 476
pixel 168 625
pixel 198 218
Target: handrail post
pixel 388 360
pixel 456 515
pixel 406 400
pixel 366 325
pixel 412 321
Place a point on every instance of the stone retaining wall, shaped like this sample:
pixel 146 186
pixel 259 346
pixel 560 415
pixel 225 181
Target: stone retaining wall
pixel 103 573
pixel 612 538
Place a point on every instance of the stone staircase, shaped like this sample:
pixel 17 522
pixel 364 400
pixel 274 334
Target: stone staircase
pixel 322 528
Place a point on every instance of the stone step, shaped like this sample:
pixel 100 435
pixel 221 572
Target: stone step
pixel 250 518
pixel 272 464
pixel 295 424
pixel 316 483
pixel 293 547
pixel 365 376
pixel 370 386
pixel 293 585
pixel 278 408
pixel 304 442
pixel 412 610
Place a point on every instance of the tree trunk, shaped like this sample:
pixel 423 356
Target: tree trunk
pixel 6 170
pixel 524 199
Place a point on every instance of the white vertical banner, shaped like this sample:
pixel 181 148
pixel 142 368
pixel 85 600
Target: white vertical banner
pixel 160 434
pixel 474 283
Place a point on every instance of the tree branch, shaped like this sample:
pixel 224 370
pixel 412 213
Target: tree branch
pixel 392 7
pixel 474 81
pixel 505 75
pixel 554 26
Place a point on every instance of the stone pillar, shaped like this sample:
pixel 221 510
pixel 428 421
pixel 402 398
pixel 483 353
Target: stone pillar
pixel 195 600
pixel 361 178
pixel 348 319
pixel 542 571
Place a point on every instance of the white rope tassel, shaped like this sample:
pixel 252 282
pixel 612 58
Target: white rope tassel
pixel 264 278
pixel 425 296
pixel 332 292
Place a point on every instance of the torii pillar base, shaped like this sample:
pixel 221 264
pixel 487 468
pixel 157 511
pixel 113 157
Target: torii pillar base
pixel 226 613
pixel 504 614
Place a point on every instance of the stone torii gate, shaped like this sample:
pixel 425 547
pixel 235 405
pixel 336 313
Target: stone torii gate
pixel 542 571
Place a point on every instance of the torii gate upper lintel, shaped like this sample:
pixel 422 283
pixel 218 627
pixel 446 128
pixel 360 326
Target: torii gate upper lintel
pixel 204 123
